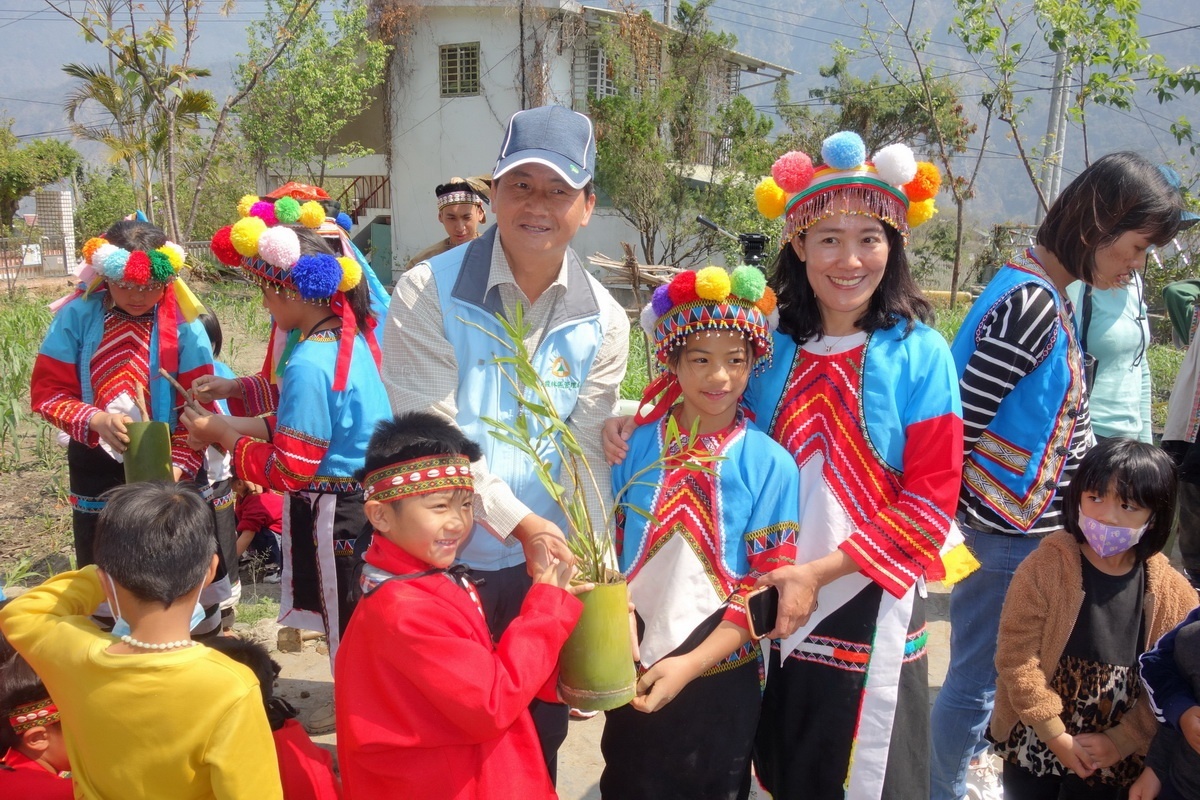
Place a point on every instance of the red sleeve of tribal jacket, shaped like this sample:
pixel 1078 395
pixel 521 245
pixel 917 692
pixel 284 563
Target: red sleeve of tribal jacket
pixel 54 394
pixel 902 541
pixel 259 396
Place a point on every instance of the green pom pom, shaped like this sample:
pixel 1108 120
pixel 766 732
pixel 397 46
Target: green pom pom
pixel 748 283
pixel 161 268
pixel 287 210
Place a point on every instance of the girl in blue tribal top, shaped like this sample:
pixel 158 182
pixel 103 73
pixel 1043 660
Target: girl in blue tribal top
pixel 715 532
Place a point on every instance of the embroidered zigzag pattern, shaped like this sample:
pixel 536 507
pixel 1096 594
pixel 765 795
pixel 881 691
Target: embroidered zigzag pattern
pixel 122 361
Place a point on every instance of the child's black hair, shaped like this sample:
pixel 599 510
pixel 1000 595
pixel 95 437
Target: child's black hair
pixel 265 668
pixel 19 685
pixel 312 243
pixel 417 434
pixel 134 234
pixel 156 539
pixel 1138 473
pixel 212 326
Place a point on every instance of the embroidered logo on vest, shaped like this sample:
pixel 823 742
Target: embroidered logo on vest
pixel 562 379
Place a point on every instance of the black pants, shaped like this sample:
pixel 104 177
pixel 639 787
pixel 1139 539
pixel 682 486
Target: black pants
pixel 501 592
pixel 1021 784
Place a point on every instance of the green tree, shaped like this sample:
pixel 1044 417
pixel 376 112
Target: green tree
pixel 24 168
pixel 105 196
pixel 292 118
pixel 1104 55
pixel 670 137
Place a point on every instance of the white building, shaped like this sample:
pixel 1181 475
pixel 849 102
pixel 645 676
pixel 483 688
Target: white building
pixel 457 78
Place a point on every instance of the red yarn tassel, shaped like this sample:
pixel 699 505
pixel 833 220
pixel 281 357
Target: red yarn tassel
pixel 168 331
pixel 660 395
pixel 342 308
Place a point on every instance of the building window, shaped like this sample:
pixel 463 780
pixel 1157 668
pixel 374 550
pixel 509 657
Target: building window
pixel 600 78
pixel 459 69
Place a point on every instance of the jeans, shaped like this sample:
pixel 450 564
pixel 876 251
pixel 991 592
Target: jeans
pixel 964 705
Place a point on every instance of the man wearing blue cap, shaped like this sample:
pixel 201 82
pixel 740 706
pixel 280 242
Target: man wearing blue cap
pixel 579 336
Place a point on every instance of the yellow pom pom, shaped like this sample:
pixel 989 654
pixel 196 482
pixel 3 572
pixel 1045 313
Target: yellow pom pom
pixel 244 235
pixel 351 273
pixel 312 214
pixel 920 212
pixel 243 206
pixel 175 253
pixel 712 283
pixel 771 200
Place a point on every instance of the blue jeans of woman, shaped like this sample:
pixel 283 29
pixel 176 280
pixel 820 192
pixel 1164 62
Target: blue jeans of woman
pixel 964 705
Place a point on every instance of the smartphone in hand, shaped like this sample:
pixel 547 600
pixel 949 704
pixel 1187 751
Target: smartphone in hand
pixel 763 608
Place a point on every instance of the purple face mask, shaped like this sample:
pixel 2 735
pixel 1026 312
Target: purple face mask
pixel 1109 540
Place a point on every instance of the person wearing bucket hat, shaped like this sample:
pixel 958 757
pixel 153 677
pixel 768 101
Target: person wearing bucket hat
pixel 131 316
pixel 437 347
pixel 461 211
pixel 691 568
pixel 1027 422
pixel 862 394
pixel 320 411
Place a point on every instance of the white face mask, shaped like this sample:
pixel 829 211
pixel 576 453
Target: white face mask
pixel 121 626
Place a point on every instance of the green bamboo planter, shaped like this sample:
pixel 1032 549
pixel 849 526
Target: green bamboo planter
pixel 596 670
pixel 148 457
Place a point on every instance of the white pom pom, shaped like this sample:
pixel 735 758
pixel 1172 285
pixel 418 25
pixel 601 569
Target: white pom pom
pixel 102 253
pixel 649 319
pixel 279 247
pixel 773 319
pixel 896 164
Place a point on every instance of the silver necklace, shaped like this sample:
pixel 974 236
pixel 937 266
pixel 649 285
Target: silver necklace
pixel 132 642
pixel 830 342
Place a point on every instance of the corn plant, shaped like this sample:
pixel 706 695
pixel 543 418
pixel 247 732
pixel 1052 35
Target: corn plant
pixel 538 432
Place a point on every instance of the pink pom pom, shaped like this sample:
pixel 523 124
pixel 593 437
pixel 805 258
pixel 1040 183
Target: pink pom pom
pixel 264 211
pixel 279 247
pixel 792 171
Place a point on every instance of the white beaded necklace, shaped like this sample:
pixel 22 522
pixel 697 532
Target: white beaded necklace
pixel 132 642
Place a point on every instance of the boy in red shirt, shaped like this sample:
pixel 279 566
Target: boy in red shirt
pixel 35 764
pixel 259 514
pixel 427 705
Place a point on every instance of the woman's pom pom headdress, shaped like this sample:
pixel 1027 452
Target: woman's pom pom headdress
pixel 709 299
pixel 893 186
pixel 137 269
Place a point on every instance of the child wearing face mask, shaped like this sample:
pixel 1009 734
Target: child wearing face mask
pixel 146 714
pixel 1070 718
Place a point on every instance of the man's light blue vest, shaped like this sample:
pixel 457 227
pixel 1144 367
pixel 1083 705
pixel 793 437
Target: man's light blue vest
pixel 562 359
pixel 1018 461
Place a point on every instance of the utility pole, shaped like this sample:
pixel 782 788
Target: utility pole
pixel 666 12
pixel 1056 136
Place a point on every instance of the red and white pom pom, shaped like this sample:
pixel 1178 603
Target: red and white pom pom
pixel 792 171
pixel 896 164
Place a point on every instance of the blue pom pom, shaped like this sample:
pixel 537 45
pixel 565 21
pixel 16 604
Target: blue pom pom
pixel 317 276
pixel 844 150
pixel 660 301
pixel 114 265
pixel 344 221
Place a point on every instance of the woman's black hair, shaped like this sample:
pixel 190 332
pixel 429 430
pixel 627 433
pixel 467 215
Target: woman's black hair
pixel 212 326
pixel 1139 473
pixel 19 685
pixel 312 243
pixel 896 298
pixel 133 234
pixel 1116 194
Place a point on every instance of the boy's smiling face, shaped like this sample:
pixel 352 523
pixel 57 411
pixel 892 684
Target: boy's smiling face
pixel 429 527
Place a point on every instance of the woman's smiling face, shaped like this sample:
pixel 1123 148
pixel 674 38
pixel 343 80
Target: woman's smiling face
pixel 844 256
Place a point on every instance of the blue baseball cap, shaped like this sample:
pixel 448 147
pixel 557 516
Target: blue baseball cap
pixel 553 136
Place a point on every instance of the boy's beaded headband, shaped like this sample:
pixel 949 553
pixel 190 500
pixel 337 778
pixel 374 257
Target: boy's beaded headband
pixel 708 300
pixel 138 269
pixel 893 187
pixel 34 714
pixel 418 476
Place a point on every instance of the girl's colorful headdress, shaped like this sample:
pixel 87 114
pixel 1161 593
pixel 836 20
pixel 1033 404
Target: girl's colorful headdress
pixel 892 187
pixel 267 249
pixel 137 269
pixel 710 299
pixel 424 475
